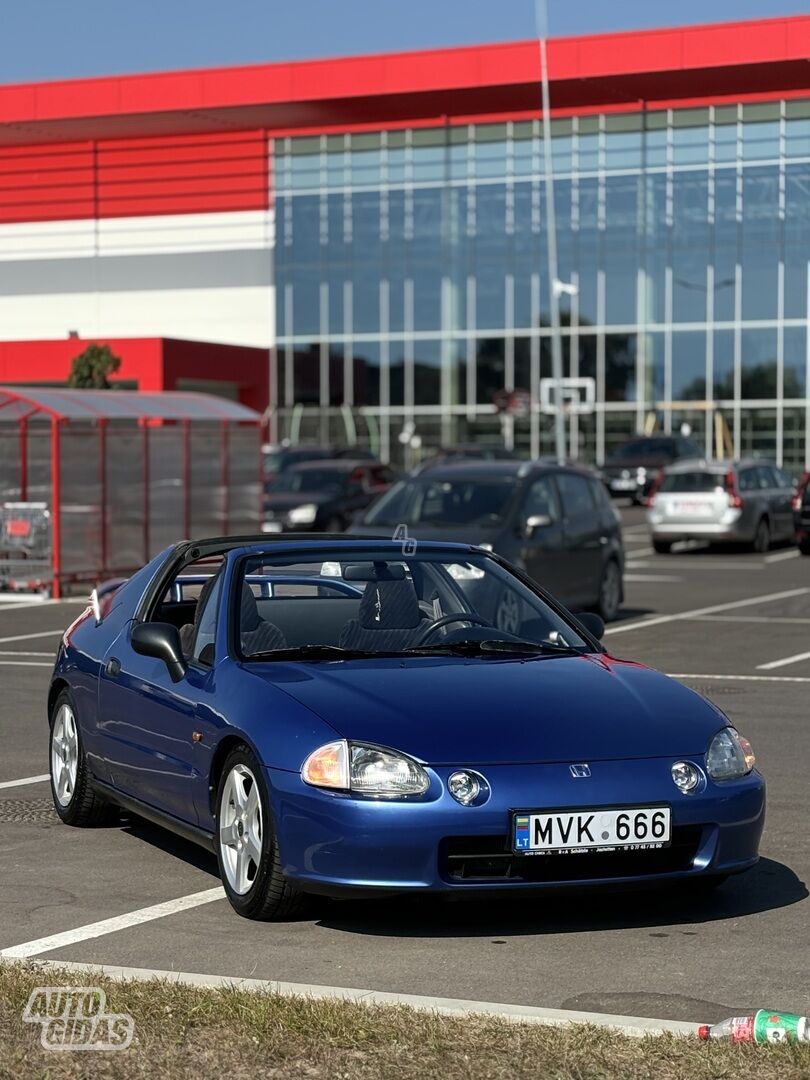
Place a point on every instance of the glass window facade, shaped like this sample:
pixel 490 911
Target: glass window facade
pixel 412 279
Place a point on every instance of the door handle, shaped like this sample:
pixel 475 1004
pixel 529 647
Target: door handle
pixel 113 667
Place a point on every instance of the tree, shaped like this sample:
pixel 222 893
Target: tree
pixel 89 370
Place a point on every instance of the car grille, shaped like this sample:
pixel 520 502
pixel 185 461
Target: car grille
pixel 476 859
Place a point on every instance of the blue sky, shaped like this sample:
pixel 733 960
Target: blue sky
pixel 55 39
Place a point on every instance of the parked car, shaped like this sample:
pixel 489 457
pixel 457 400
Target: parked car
pixel 364 729
pixel 322 496
pixel 554 522
pixel 632 467
pixel 278 459
pixel 746 502
pixel 476 451
pixel 801 514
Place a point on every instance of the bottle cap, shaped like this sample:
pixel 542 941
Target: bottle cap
pixel 703 1032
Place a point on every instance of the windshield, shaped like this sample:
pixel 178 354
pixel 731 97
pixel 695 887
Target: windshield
pixel 309 480
pixel 691 481
pixel 645 448
pixel 368 605
pixel 422 501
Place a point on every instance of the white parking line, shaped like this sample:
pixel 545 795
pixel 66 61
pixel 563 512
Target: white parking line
pixel 737 678
pixel 25 781
pixel 110 926
pixel 753 619
pixel 26 663
pixel 27 601
pixel 650 577
pixel 12 652
pixel 634 1026
pixel 658 620
pixel 29 637
pixel 780 556
pixel 784 662
pixel 694 564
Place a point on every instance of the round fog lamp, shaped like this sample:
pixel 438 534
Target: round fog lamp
pixel 685 776
pixel 464 787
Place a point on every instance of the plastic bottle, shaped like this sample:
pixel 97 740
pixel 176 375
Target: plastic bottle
pixel 761 1027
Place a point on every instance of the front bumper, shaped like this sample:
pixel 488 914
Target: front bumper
pixel 335 844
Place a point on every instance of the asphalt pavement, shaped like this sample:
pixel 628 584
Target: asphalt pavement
pixel 732 624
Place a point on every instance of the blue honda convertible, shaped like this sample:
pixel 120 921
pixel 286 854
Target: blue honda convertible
pixel 336 716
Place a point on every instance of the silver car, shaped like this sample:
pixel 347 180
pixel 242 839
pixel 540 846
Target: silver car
pixel 747 502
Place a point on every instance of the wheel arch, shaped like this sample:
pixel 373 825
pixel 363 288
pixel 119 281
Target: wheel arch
pixel 54 690
pixel 224 747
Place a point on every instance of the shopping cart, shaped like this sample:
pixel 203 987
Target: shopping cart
pixel 25 547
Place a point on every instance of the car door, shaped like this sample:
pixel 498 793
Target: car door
pixel 781 501
pixel 582 537
pixel 147 722
pixel 540 526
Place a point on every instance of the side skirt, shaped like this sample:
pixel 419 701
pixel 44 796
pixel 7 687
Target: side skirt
pixel 158 817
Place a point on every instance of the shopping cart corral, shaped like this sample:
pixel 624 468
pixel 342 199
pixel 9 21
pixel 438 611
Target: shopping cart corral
pixel 25 547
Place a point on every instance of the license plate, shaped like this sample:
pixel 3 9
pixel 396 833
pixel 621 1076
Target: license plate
pixel 623 484
pixel 696 509
pixel 271 526
pixel 629 828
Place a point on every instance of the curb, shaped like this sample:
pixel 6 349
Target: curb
pixel 633 1026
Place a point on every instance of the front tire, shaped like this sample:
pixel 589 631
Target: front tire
pixel 804 546
pixel 247 851
pixel 73 798
pixel 610 591
pixel 662 547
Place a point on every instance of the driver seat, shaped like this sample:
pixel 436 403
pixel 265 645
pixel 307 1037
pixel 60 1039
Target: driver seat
pixel 389 617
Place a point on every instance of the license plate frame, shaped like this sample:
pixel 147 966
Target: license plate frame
pixel 597 847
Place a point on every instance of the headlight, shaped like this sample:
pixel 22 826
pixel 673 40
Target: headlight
pixel 465 572
pixel 302 515
pixel 729 756
pixel 366 770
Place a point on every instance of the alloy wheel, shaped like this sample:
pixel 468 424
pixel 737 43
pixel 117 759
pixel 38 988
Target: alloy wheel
pixel 64 755
pixel 240 829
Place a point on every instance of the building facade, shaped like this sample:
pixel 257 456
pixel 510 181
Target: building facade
pixel 380 225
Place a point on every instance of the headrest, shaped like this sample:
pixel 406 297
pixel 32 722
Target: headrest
pixel 389 605
pixel 249 617
pixel 378 571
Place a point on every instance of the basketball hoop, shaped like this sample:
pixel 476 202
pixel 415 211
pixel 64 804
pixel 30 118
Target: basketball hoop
pixel 517 402
pixel 577 396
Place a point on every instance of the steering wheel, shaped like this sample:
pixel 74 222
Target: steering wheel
pixel 444 620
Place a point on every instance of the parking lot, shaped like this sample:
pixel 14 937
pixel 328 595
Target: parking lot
pixel 731 624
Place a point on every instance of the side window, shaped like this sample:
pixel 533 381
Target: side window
pixel 541 500
pixel 576 495
pixel 600 495
pixel 748 480
pixel 203 644
pixel 767 477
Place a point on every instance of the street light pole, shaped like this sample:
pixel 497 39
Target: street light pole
pixel 541 14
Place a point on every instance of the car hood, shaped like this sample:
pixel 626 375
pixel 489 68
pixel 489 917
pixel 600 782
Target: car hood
pixel 449 710
pixel 287 500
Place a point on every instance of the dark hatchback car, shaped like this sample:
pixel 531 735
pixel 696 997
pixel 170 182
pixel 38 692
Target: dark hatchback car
pixel 322 496
pixel 278 459
pixel 801 514
pixel 554 522
pixel 632 467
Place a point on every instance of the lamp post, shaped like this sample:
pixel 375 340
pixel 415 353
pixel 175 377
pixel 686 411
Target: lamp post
pixel 554 285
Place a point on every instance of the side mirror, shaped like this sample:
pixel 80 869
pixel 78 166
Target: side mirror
pixel 536 522
pixel 162 641
pixel 593 623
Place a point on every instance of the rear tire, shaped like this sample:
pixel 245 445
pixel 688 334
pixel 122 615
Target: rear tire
pixel 662 547
pixel 804 546
pixel 762 537
pixel 73 798
pixel 610 591
pixel 247 852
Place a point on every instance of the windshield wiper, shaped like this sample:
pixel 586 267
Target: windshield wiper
pixel 313 653
pixel 473 647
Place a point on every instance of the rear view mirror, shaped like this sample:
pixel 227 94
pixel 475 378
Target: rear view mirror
pixel 593 623
pixel 162 641
pixel 536 522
